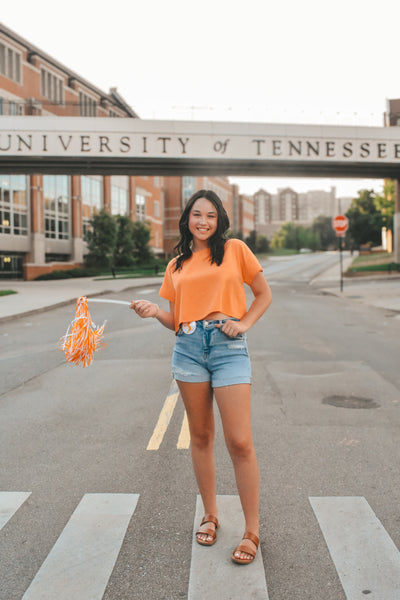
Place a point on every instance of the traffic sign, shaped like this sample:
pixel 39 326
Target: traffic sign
pixel 340 224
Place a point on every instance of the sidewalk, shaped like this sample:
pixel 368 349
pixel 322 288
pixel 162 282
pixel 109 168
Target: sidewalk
pixel 38 296
pixel 382 291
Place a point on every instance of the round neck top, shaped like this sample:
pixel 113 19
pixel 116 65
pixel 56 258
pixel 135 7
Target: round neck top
pixel 200 288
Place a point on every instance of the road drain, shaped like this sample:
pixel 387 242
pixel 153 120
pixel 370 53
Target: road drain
pixel 350 402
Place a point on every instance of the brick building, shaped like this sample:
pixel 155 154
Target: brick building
pixel 44 218
pixel 273 210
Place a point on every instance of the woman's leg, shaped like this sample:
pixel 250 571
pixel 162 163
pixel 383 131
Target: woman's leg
pixel 234 405
pixel 198 401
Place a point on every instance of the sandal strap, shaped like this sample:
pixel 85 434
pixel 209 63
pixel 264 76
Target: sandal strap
pixel 210 530
pixel 210 519
pixel 252 537
pixel 244 546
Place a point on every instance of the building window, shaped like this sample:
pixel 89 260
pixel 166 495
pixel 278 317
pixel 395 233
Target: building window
pixel 140 206
pixel 282 208
pixel 56 206
pixel 9 107
pixel 52 87
pixel 156 209
pixel 13 204
pixel 92 199
pixel 119 196
pixel 10 63
pixel 188 188
pixel 87 105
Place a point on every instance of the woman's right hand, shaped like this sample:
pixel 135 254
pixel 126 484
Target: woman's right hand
pixel 144 308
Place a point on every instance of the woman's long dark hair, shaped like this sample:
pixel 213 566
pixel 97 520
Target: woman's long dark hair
pixel 216 242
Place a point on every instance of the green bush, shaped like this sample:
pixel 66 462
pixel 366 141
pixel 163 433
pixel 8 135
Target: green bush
pixel 67 274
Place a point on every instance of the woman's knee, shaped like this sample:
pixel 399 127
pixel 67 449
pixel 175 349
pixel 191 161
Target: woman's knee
pixel 241 448
pixel 202 439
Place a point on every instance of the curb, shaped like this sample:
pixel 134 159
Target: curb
pixel 42 309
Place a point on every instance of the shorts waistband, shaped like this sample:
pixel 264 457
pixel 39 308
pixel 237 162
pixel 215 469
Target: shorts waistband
pixel 211 323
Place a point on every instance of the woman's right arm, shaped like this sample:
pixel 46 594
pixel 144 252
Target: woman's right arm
pixel 146 309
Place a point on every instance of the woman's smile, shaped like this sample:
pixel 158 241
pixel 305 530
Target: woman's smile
pixel 203 220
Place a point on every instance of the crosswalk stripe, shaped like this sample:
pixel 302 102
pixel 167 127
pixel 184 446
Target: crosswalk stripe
pixel 164 418
pixel 9 504
pixel 81 561
pixel 365 557
pixel 212 573
pixel 184 436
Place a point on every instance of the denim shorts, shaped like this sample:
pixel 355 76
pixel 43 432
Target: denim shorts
pixel 208 354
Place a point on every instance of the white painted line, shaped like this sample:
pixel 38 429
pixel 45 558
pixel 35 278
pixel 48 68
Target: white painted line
pixel 81 561
pixel 365 557
pixel 184 436
pixel 9 504
pixel 164 418
pixel 212 574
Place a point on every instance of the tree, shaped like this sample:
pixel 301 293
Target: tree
pixel 238 235
pixel 384 202
pixel 262 244
pixel 141 238
pixel 101 239
pixel 294 237
pixel 125 244
pixel 322 227
pixel 365 220
pixel 251 241
pixel 257 243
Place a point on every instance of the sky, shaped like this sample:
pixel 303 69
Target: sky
pixel 266 61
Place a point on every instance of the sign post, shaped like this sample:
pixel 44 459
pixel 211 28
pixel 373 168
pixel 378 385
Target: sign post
pixel 340 224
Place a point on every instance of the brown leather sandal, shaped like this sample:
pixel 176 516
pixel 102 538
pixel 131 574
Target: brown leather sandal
pixel 209 531
pixel 247 548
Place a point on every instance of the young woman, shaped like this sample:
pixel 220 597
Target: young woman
pixel 204 287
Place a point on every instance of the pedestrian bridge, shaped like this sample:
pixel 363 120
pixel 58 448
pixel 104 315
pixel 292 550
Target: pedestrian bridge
pixel 141 147
pixel 136 146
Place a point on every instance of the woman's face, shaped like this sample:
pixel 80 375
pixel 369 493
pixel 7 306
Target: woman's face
pixel 203 220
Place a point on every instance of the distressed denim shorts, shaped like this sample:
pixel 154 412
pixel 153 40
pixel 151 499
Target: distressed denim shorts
pixel 205 353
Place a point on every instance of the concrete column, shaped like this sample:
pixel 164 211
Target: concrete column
pixel 77 244
pixel 396 223
pixel 37 251
pixel 132 198
pixel 107 193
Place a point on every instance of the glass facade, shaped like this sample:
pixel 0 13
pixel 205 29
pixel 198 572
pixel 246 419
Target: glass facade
pixel 92 199
pixel 140 206
pixel 119 196
pixel 14 204
pixel 188 188
pixel 56 194
pixel 11 265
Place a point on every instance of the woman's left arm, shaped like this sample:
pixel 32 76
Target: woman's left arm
pixel 262 300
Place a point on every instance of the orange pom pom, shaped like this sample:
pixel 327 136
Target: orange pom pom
pixel 82 338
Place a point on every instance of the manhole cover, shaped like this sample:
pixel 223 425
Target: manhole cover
pixel 350 402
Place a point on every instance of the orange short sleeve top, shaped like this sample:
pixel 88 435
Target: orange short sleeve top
pixel 200 288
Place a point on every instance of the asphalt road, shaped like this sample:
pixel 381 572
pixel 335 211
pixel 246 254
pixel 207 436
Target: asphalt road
pixel 326 415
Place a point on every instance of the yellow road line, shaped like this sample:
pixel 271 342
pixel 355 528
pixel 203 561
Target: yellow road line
pixel 184 436
pixel 163 419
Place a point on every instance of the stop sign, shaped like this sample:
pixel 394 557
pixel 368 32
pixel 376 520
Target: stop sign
pixel 340 224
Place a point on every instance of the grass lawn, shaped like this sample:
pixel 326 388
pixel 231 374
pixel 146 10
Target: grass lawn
pixel 6 292
pixel 376 261
pixel 282 252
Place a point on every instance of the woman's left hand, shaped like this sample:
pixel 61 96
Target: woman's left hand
pixel 232 328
